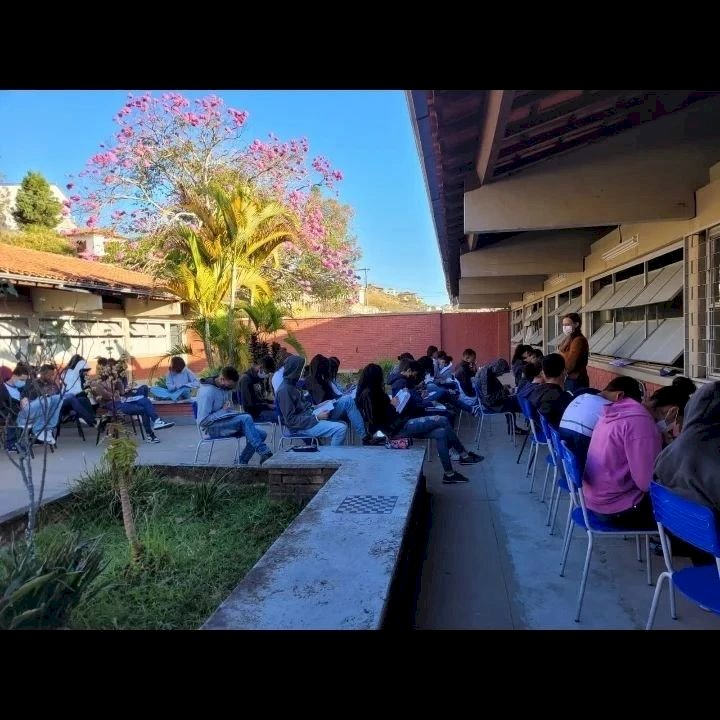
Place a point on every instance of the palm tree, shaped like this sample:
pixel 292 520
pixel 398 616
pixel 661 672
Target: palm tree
pixel 238 232
pixel 267 319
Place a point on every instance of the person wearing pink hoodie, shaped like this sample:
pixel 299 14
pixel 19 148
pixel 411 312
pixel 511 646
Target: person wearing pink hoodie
pixel 623 448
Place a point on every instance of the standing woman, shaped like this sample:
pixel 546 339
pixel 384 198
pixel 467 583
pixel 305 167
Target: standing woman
pixel 576 351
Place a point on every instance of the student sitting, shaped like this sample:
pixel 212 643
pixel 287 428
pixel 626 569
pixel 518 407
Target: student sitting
pixel 47 384
pixel 549 398
pixel 690 465
pixel 40 415
pixel 580 417
pixel 297 413
pixel 319 385
pixel 179 382
pixel 493 394
pixel 380 414
pixel 335 383
pixel 444 374
pixel 253 405
pixel 217 419
pixel 532 357
pixel 667 405
pixel 518 362
pixel 277 377
pixel 113 396
pixel 623 448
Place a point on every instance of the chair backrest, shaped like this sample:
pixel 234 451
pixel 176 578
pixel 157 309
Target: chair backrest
pixel 572 468
pixel 688 520
pixel 546 430
pixel 527 411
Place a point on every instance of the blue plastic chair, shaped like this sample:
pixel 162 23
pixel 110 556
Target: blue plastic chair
pixel 205 440
pixel 481 412
pixel 560 484
pixel 697 525
pixel 552 460
pixel 537 440
pixel 593 526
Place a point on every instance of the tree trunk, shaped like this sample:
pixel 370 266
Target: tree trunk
pixel 207 344
pixel 128 519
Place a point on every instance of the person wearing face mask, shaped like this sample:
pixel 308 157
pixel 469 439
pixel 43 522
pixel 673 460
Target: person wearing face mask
pixel 622 452
pixel 575 350
pixel 690 466
pixel 667 406
pixel 254 405
pixel 180 380
pixel 41 415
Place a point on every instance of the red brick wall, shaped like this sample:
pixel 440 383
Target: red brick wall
pixel 599 378
pixel 360 339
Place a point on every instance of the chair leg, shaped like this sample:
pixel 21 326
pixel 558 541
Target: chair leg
pixel 553 519
pixel 533 449
pixel 197 452
pixel 656 599
pixel 212 445
pixel 637 549
pixel 583 582
pixel 569 527
pixel 545 481
pixel 81 432
pixel 522 449
pixel 648 560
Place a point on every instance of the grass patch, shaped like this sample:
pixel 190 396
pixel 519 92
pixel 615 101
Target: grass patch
pixel 199 543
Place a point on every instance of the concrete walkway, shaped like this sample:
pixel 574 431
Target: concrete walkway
pixel 72 457
pixel 492 565
pixel 490 562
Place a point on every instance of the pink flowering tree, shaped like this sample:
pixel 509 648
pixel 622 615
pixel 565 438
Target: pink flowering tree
pixel 167 147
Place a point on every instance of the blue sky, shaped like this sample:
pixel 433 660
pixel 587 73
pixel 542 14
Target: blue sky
pixel 366 134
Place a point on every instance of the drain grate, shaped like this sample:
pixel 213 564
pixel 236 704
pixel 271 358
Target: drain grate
pixel 368 504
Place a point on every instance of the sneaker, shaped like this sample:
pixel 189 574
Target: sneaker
pixel 453 478
pixel 12 448
pixel 46 437
pixel 265 457
pixel 83 421
pixel 161 424
pixel 371 441
pixel 152 439
pixel 471 459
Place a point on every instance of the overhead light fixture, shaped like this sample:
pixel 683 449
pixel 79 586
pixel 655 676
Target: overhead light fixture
pixel 621 248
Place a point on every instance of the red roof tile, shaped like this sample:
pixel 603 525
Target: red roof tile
pixel 74 271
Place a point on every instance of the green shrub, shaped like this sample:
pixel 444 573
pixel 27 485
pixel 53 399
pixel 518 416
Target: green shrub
pixel 208 496
pixel 93 493
pixel 387 366
pixel 41 591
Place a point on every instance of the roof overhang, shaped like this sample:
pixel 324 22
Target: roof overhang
pixel 497 162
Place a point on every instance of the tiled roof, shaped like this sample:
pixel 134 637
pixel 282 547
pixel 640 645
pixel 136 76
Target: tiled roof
pixel 74 271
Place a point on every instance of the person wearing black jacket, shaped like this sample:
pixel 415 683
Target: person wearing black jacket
pixel 379 413
pixel 319 384
pixel 253 405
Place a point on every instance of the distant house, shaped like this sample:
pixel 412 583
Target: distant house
pixel 8 197
pixel 103 309
pixel 91 241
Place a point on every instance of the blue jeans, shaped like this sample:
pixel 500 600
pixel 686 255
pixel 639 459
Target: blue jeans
pixel 40 415
pixel 336 431
pixel 162 393
pixel 345 408
pixel 438 428
pixel 241 425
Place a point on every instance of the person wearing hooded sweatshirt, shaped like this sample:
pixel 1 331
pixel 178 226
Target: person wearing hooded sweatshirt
pixel 690 465
pixel 622 452
pixel 217 419
pixel 297 413
pixel 319 385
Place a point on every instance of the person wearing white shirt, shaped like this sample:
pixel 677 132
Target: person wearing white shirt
pixel 579 420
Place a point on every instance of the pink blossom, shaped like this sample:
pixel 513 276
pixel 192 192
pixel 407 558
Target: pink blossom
pixel 70 186
pixel 92 221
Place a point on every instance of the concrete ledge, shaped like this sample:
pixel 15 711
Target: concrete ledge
pixel 338 564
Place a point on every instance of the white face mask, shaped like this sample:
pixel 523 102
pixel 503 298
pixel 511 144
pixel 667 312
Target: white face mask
pixel 663 425
pixel 567 329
